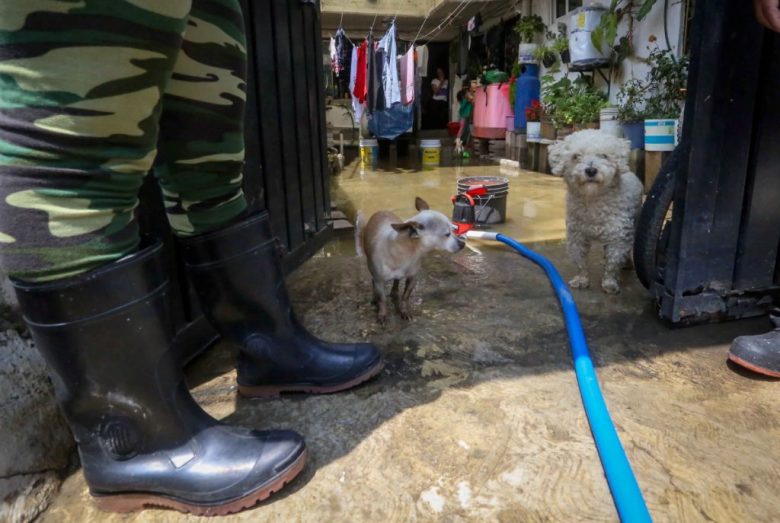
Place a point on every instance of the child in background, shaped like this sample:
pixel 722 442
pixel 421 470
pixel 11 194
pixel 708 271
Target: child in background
pixel 466 98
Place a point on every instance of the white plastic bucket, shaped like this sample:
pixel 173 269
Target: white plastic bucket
pixel 369 151
pixel 609 123
pixel 525 53
pixel 431 152
pixel 581 49
pixel 533 130
pixel 660 135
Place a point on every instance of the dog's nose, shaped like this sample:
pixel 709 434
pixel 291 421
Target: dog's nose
pixel 591 172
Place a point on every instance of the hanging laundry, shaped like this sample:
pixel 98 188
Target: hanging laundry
pixel 392 122
pixel 333 56
pixel 360 89
pixel 407 77
pixel 422 60
pixel 357 106
pixel 377 80
pixel 343 46
pixel 390 82
pixel 371 93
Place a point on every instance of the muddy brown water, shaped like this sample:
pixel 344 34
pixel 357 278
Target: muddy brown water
pixel 477 416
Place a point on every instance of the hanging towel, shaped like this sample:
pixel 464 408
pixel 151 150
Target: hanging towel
pixel 390 83
pixel 360 88
pixel 422 60
pixel 357 106
pixel 407 77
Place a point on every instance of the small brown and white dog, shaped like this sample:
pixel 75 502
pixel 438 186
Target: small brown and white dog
pixel 394 249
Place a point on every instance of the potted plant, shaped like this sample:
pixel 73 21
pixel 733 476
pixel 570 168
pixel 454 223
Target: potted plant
pixel 572 105
pixel 667 81
pixel 527 28
pixel 547 55
pixel 533 117
pixel 631 111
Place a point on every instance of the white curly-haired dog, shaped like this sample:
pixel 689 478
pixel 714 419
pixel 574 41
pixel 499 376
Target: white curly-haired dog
pixel 602 201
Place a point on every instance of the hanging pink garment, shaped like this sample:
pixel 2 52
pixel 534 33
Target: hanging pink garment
pixel 407 77
pixel 491 109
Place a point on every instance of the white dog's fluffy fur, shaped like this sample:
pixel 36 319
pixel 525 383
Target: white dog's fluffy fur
pixel 602 201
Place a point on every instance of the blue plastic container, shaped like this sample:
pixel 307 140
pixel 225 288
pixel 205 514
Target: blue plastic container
pixel 635 132
pixel 528 87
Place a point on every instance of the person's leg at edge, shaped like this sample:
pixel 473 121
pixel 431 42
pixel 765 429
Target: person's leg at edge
pixel 232 256
pixel 80 99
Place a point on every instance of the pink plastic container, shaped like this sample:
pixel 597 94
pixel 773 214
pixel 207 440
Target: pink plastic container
pixel 491 110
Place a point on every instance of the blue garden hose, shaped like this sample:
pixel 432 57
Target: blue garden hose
pixel 628 498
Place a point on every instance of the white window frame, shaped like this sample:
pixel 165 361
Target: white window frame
pixel 564 17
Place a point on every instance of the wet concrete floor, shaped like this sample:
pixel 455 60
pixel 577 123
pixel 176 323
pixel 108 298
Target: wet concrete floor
pixel 477 416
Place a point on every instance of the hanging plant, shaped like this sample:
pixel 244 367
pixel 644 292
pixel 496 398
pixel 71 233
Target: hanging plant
pixel 528 27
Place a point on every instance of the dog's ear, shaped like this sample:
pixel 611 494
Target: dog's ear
pixel 558 156
pixel 420 204
pixel 413 228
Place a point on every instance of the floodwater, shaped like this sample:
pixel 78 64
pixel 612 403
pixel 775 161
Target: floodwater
pixel 477 416
pixel 535 203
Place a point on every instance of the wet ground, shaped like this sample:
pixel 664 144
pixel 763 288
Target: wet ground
pixel 477 416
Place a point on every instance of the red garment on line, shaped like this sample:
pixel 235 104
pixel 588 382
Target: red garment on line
pixel 361 85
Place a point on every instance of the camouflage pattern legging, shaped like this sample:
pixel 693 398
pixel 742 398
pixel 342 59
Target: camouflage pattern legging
pixel 93 95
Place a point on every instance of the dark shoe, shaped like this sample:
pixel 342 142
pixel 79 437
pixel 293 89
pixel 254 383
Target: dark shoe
pixel 237 275
pixel 759 353
pixel 142 439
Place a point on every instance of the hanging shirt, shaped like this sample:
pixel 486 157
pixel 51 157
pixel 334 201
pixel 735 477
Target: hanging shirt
pixel 342 50
pixel 334 56
pixel 360 89
pixel 390 83
pixel 377 80
pixel 422 60
pixel 357 106
pixel 407 77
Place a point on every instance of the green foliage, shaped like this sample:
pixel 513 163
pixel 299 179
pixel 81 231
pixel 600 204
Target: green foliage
pixel 645 9
pixel 631 101
pixel 668 81
pixel 661 94
pixel 569 102
pixel 606 33
pixel 528 27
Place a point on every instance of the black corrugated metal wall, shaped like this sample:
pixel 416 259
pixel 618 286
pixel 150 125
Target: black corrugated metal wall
pixel 286 152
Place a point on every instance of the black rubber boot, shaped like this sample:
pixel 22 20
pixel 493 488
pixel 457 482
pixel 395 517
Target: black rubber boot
pixel 142 439
pixel 237 275
pixel 759 353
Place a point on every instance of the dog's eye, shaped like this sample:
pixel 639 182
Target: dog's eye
pixel 577 156
pixel 603 156
pixel 448 234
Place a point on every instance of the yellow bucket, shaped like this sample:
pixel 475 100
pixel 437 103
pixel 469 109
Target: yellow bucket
pixel 369 151
pixel 431 152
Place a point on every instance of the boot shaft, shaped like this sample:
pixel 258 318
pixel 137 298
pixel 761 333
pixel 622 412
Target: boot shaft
pixel 105 336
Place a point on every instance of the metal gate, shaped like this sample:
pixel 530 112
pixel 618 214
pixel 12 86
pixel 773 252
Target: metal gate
pixel 722 258
pixel 286 151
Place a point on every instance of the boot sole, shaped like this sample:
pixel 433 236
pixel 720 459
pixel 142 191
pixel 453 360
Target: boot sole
pixel 125 503
pixel 750 366
pixel 272 391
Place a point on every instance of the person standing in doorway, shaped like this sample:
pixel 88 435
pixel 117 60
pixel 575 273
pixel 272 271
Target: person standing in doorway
pixel 440 102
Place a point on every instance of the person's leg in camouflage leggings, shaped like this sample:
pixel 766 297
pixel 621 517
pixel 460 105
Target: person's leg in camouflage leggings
pixel 85 87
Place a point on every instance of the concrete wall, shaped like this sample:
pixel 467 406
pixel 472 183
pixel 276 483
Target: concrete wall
pixel 380 7
pixel 653 25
